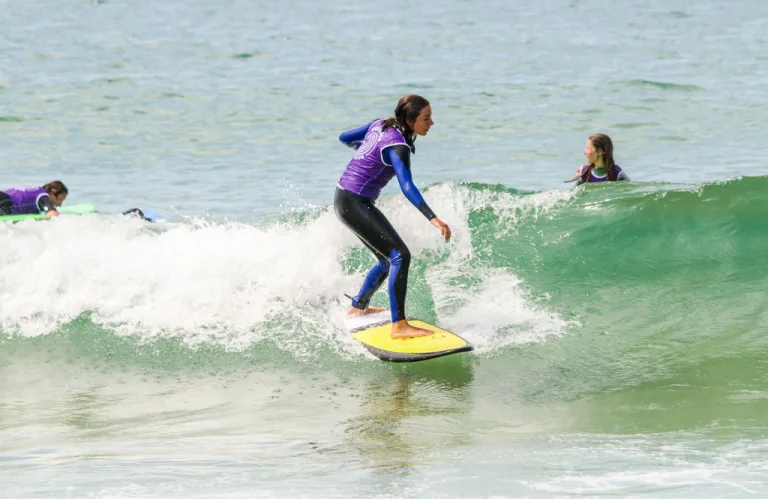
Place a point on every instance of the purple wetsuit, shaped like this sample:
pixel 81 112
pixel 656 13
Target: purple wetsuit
pixel 28 200
pixel 620 175
pixel 369 171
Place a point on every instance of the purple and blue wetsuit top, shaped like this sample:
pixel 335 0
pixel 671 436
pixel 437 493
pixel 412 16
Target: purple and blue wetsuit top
pixel 620 175
pixel 27 200
pixel 381 154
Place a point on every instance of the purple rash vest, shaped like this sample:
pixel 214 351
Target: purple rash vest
pixel 25 200
pixel 595 178
pixel 368 172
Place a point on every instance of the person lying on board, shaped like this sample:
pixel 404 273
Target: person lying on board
pixel 383 151
pixel 147 215
pixel 33 200
pixel 600 167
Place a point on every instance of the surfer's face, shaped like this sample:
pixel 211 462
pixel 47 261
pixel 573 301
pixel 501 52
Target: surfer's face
pixel 58 198
pixel 591 153
pixel 423 121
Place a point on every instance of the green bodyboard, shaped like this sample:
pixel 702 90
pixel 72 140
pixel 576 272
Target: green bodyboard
pixel 74 209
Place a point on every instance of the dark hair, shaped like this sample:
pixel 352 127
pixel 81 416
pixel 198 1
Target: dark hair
pixel 55 188
pixel 408 109
pixel 602 142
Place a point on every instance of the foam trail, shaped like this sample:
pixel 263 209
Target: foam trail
pixel 234 284
pixel 490 306
pixel 207 281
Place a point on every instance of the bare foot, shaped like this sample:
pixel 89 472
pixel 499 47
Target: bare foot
pixel 401 330
pixel 370 310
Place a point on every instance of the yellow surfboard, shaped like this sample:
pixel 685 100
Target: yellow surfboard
pixel 378 340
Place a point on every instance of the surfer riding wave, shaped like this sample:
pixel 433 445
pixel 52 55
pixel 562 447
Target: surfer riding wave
pixel 384 149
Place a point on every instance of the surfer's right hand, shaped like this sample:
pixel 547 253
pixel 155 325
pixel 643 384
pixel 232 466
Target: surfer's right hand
pixel 444 229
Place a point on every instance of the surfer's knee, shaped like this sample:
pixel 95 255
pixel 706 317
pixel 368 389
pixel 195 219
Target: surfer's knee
pixel 382 266
pixel 400 258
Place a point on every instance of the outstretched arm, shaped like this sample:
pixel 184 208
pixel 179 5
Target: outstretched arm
pixel 353 138
pixel 400 158
pixel 576 178
pixel 45 206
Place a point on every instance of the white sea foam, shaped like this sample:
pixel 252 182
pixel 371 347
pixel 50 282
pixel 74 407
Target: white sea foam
pixel 233 284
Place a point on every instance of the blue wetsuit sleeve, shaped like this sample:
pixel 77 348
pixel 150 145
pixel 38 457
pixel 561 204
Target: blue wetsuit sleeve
pixel 399 157
pixel 353 138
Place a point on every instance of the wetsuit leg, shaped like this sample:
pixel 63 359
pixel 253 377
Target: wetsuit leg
pixel 369 224
pixel 373 280
pixel 6 204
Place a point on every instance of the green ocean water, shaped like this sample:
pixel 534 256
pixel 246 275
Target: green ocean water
pixel 619 330
pixel 620 339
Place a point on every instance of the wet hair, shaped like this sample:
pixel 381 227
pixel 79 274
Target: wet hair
pixel 55 188
pixel 408 109
pixel 602 142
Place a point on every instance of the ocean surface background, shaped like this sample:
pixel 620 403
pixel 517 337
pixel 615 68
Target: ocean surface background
pixel 620 330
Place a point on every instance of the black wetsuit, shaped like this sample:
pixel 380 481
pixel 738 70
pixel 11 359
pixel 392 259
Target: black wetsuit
pixel 6 204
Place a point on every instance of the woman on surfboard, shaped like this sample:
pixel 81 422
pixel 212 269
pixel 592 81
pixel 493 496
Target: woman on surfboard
pixel 600 165
pixel 25 200
pixel 384 150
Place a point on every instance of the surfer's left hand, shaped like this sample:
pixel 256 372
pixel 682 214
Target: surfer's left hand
pixel 444 229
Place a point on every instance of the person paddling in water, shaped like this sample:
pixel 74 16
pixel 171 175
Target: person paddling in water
pixel 26 200
pixel 600 167
pixel 384 149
